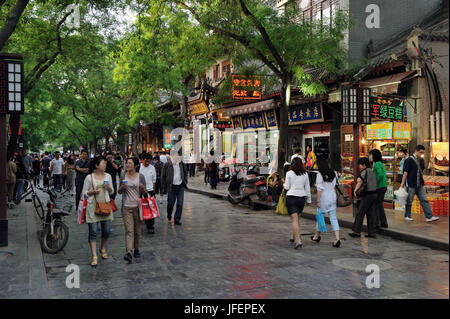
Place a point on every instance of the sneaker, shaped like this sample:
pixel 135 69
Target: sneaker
pixel 432 219
pixel 408 218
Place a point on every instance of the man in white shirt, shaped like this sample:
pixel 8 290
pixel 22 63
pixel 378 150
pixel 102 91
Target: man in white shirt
pixel 298 153
pixel 56 166
pixel 149 173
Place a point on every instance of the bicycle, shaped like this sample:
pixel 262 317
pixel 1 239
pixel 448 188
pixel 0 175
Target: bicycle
pixel 29 190
pixel 55 233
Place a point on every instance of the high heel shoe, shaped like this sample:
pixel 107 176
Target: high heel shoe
pixel 316 240
pixel 104 254
pixel 94 261
pixel 299 245
pixel 338 244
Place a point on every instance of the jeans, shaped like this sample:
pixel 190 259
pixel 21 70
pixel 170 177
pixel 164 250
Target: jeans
pixel 18 189
pixel 46 176
pixel 192 169
pixel 333 220
pixel 57 181
pixel 78 190
pixel 420 192
pixel 176 194
pixel 381 220
pixel 366 207
pixel 93 228
pixel 213 179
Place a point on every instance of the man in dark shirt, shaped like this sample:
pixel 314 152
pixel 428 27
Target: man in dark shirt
pixel 112 169
pixel 82 169
pixel 413 177
pixel 45 166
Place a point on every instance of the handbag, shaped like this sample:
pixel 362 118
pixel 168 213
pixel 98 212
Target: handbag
pixel 145 212
pixel 363 189
pixel 343 199
pixel 81 212
pixel 113 205
pixel 282 206
pixel 153 206
pixel 321 226
pixel 102 209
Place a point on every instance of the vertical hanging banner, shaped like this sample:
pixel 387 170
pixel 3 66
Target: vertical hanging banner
pixel 246 87
pixel 271 119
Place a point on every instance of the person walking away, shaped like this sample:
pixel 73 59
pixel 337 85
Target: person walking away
pixel 415 185
pixel 212 170
pixel 36 170
pixel 132 187
pixel 56 170
pixel 112 169
pixel 27 161
pixel 158 169
pixel 298 153
pixel 367 204
pixel 380 173
pixel 191 165
pixel 174 178
pixel 274 187
pixel 404 155
pixel 64 173
pixel 70 170
pixel 149 173
pixel 326 199
pixel 311 164
pixel 97 187
pixel 298 194
pixel 20 179
pixel 82 170
pixel 45 166
pixel 11 170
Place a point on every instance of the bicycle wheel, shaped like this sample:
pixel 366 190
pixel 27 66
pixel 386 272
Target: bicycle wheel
pixel 51 244
pixel 38 206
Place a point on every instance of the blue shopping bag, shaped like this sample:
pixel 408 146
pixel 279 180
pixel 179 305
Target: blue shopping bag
pixel 321 221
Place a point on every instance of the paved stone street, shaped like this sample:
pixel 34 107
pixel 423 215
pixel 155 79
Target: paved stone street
pixel 222 251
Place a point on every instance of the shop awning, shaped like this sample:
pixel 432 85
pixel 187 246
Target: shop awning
pixel 250 108
pixel 387 84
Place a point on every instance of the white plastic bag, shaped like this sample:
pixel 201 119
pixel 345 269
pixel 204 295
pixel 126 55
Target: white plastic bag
pixel 400 196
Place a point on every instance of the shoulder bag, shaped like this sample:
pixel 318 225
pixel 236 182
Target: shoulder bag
pixel 343 199
pixel 101 209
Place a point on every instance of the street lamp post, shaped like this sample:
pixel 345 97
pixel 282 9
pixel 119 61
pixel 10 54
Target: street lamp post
pixel 11 101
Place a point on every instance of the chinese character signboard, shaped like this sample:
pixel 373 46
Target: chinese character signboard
pixel 253 121
pixel 271 119
pixel 386 108
pixel 305 113
pixel 246 87
pixel 199 108
pixel 402 131
pixel 379 131
pixel 237 125
pixel 223 125
pixel 167 137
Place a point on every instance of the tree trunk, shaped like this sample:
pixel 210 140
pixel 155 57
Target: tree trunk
pixel 284 125
pixel 11 21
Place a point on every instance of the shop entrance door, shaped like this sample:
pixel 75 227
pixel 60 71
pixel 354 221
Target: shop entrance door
pixel 322 147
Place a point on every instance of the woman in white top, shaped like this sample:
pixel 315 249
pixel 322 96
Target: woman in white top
pixel 298 193
pixel 326 199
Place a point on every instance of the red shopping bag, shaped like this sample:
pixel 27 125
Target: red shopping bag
pixel 153 206
pixel 145 212
pixel 81 213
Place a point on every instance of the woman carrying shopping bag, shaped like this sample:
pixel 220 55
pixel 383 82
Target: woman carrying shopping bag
pixel 97 187
pixel 132 187
pixel 298 194
pixel 326 199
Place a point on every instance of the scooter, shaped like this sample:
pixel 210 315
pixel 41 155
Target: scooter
pixel 249 188
pixel 224 174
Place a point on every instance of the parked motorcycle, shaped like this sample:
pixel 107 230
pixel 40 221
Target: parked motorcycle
pixel 249 188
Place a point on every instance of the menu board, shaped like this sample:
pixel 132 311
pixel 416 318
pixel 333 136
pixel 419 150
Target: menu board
pixel 271 119
pixel 253 121
pixel 379 131
pixel 387 108
pixel 402 130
